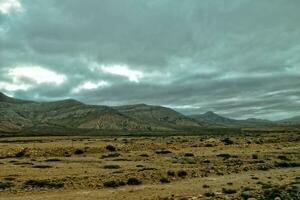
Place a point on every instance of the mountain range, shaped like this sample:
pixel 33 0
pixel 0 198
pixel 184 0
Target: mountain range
pixel 18 115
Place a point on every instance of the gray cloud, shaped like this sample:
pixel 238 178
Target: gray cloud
pixel 238 58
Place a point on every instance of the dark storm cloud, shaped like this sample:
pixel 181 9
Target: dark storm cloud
pixel 238 58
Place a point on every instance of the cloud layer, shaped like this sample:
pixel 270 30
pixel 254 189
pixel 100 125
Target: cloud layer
pixel 238 58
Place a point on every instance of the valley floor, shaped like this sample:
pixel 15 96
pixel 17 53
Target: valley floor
pixel 198 167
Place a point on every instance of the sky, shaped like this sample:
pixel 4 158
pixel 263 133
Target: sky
pixel 238 58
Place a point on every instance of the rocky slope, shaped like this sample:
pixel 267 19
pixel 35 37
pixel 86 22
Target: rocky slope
pixel 17 115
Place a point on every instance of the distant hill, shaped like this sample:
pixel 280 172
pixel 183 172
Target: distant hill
pixel 293 120
pixel 212 118
pixel 18 115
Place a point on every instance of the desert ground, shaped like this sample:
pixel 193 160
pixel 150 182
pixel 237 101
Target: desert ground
pixel 173 167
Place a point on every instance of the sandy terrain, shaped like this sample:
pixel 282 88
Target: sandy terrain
pixel 203 167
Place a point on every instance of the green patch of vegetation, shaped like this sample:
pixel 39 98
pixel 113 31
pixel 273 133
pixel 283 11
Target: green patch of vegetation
pixel 110 148
pixel 43 184
pixel 162 151
pixel 114 184
pixel 134 181
pixel 286 192
pixel 182 173
pixel 22 153
pixel 287 164
pixel 5 185
pixel 164 180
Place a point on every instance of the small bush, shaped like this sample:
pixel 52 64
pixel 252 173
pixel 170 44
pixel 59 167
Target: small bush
pixel 287 164
pixel 9 178
pixel 112 167
pixel 254 156
pixel 5 184
pixel 224 155
pixel 189 155
pixel 134 181
pixel 113 184
pixel 110 148
pixel 209 194
pixel 171 173
pixel 162 151
pixel 182 173
pixel 52 160
pixel 78 151
pixel 229 191
pixel 43 184
pixel 41 166
pixel 21 153
pixel 164 180
pixel 227 141
pixel 205 186
pixel 282 157
pixel 144 155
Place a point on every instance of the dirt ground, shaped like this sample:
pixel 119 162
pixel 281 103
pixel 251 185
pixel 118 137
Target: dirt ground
pixel 178 167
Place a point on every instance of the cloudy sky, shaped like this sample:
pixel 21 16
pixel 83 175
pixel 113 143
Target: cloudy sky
pixel 239 58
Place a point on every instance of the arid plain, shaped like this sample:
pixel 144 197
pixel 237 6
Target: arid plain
pixel 174 167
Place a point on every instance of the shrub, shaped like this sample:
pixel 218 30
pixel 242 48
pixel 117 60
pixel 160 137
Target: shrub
pixel 209 194
pixel 110 148
pixel 224 155
pixel 162 151
pixel 79 151
pixel 21 153
pixel 113 184
pixel 41 166
pixel 287 164
pixel 254 156
pixel 5 184
pixel 171 173
pixel 227 141
pixel 282 157
pixel 134 181
pixel 112 167
pixel 164 180
pixel 228 191
pixel 181 173
pixel 43 184
pixel 188 154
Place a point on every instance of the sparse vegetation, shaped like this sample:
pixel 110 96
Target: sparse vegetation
pixel 78 151
pixel 43 184
pixel 134 181
pixel 110 148
pixel 5 184
pixel 181 173
pixel 112 167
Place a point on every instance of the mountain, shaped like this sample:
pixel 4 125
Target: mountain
pixel 18 115
pixel 215 119
pixel 157 115
pixel 292 120
pixel 212 118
